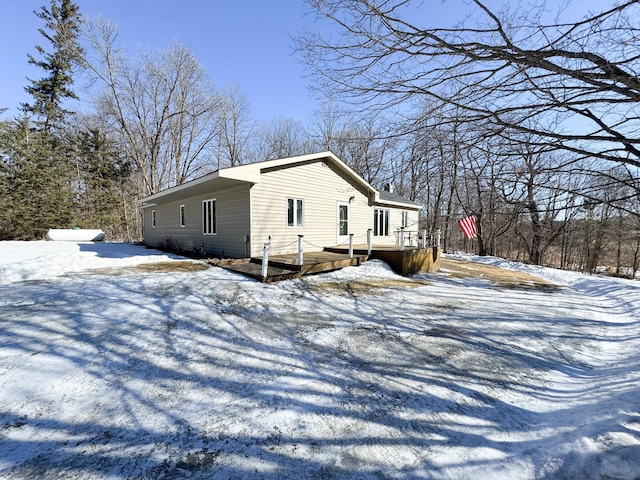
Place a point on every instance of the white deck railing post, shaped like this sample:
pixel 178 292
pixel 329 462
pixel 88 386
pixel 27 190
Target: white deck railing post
pixel 265 260
pixel 351 245
pixel 369 241
pixel 424 238
pixel 402 239
pixel 438 238
pixel 300 253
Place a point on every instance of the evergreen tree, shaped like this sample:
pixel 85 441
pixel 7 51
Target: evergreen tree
pixel 104 184
pixel 62 22
pixel 35 182
pixel 36 179
pixel 5 174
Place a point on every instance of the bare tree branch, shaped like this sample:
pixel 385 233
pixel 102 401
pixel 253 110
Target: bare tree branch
pixel 512 71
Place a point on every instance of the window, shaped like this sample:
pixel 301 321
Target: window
pixel 343 219
pixel 381 222
pixel 405 219
pixel 209 217
pixel 294 212
pixel 153 218
pixel 182 215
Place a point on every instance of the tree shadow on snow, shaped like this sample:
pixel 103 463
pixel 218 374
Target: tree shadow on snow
pixel 188 376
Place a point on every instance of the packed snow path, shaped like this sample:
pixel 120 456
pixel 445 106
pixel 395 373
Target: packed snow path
pixel 356 374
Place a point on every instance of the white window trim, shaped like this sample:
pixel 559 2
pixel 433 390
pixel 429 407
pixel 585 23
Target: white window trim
pixel 342 237
pixel 384 231
pixel 405 219
pixel 296 209
pixel 153 219
pixel 182 217
pixel 204 219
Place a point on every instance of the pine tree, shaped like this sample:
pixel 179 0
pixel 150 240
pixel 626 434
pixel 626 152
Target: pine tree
pixel 5 182
pixel 62 22
pixel 36 180
pixel 104 182
pixel 35 187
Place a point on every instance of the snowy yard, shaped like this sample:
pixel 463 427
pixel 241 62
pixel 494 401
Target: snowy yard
pixel 108 371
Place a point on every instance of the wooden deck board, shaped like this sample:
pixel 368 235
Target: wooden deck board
pixel 284 267
pixel 254 270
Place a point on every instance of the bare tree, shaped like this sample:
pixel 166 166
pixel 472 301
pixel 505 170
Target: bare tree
pixel 327 123
pixel 517 71
pixel 281 138
pixel 365 147
pixel 540 191
pixel 235 127
pixel 478 189
pixel 361 141
pixel 163 105
pixel 424 163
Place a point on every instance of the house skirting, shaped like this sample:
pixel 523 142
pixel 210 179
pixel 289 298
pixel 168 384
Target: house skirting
pixel 405 262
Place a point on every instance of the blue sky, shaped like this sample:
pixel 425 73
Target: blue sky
pixel 242 42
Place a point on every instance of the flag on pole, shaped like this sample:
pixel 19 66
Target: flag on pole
pixel 468 226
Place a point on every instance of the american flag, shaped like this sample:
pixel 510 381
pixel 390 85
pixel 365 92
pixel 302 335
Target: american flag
pixel 468 226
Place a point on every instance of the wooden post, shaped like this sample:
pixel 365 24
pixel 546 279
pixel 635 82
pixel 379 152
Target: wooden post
pixel 300 253
pixel 369 241
pixel 351 245
pixel 424 238
pixel 402 239
pixel 265 260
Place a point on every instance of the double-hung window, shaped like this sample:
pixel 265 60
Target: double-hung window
pixel 209 217
pixel 381 222
pixel 294 212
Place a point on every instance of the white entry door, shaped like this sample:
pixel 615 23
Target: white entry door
pixel 343 222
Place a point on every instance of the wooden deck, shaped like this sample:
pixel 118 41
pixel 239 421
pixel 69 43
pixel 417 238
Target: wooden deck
pixel 405 262
pixel 284 267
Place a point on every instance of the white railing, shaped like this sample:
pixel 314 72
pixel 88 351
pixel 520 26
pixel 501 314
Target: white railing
pixel 404 238
pixel 417 238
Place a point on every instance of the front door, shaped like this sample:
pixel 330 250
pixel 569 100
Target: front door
pixel 343 222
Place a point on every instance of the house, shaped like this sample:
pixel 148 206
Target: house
pixel 232 212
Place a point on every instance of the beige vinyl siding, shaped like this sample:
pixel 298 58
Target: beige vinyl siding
pixel 232 223
pixel 322 188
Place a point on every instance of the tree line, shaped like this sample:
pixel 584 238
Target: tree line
pixel 526 119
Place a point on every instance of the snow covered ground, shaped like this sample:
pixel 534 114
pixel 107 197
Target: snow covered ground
pixel 107 372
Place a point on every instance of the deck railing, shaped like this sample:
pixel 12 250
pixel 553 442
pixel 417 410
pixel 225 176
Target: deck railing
pixel 300 261
pixel 417 238
pixel 404 238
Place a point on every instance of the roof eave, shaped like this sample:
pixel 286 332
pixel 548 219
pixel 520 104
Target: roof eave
pixel 380 201
pixel 412 206
pixel 206 178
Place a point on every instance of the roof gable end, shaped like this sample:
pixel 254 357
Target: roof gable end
pixel 251 172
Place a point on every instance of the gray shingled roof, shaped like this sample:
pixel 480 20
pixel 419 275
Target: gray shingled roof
pixel 388 196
